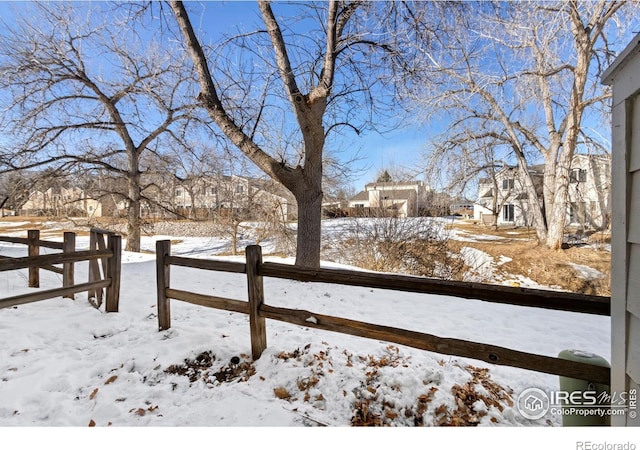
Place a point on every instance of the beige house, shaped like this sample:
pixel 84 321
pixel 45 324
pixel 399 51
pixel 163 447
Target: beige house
pixel 505 199
pixel 398 199
pixel 61 201
pixel 624 76
pixel 234 193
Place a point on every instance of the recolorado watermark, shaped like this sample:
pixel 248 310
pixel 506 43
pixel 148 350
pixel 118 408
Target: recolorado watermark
pixel 589 445
pixel 534 403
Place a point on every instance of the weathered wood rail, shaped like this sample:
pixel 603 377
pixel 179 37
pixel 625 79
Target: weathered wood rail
pixel 34 243
pixel 110 255
pixel 107 268
pixel 258 311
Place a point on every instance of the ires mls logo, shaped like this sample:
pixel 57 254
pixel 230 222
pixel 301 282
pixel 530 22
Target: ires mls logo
pixel 533 403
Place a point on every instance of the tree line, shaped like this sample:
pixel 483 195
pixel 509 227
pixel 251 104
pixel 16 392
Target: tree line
pixel 128 89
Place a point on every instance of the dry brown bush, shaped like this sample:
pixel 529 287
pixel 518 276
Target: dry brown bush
pixel 416 246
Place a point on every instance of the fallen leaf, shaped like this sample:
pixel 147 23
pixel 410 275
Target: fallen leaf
pixel 441 410
pixel 281 393
pixel 93 394
pixel 92 423
pixel 391 414
pixel 111 379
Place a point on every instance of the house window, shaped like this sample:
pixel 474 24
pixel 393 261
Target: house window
pixel 577 212
pixel 214 191
pixel 578 176
pixel 239 189
pixel 178 192
pixel 507 183
pixel 508 213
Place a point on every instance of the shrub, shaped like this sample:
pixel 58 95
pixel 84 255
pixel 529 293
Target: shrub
pixel 415 245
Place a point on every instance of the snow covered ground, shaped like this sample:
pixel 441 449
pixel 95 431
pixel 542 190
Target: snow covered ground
pixel 65 364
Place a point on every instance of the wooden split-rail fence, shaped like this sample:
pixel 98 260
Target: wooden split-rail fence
pixel 104 246
pixel 258 311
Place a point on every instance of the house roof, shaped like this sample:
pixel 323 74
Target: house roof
pixel 396 194
pixel 487 194
pixel 360 196
pixel 621 61
pixel 407 184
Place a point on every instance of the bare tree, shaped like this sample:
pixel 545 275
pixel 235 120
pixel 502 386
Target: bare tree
pixel 14 190
pixel 519 78
pixel 326 67
pixel 85 87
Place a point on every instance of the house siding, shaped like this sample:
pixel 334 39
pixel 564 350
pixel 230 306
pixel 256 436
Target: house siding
pixel 624 76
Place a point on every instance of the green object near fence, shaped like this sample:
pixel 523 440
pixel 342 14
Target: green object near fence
pixel 584 403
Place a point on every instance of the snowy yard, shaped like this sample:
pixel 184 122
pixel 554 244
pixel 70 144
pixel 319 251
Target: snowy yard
pixel 64 363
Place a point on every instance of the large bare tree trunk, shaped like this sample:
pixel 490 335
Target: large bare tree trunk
pixel 134 222
pixel 584 45
pixel 309 228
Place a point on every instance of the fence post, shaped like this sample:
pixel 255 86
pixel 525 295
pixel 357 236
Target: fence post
pixel 255 286
pixel 94 272
pixel 163 272
pixel 33 237
pixel 113 271
pixel 68 246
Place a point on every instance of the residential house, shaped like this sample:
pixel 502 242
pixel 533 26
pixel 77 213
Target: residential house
pixel 397 199
pixel 590 192
pixel 462 208
pixel 165 197
pixel 61 201
pixel 206 196
pixel 505 201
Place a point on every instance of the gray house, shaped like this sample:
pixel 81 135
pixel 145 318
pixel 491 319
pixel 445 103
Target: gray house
pixel 624 76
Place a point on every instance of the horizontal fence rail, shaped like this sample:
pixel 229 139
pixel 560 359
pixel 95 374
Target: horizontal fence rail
pixel 25 241
pixel 51 293
pixel 109 253
pixel 34 243
pixel 258 311
pixel 55 258
pixel 539 298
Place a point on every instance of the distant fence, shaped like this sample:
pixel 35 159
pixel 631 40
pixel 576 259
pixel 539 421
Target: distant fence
pixel 258 311
pixel 109 253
